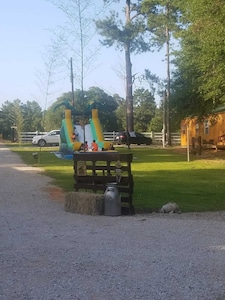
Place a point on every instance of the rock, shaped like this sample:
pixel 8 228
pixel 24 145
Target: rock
pixel 170 207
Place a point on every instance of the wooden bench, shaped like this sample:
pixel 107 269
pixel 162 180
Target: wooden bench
pixel 94 170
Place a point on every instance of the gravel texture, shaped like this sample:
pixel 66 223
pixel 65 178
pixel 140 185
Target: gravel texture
pixel 47 253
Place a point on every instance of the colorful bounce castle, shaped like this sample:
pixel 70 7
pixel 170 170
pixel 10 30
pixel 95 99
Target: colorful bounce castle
pixel 73 136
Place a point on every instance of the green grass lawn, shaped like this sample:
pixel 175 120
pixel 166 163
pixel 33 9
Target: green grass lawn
pixel 160 176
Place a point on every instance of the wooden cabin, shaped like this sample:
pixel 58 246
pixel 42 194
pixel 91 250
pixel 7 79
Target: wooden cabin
pixel 209 133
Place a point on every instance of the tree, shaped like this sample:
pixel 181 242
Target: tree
pixel 25 117
pixel 6 119
pixel 163 20
pixel 127 37
pixel 185 98
pixel 144 109
pixel 17 112
pixel 55 113
pixel 11 117
pixel 47 77
pixel 156 123
pixel 76 37
pixel 32 115
pixel 84 102
pixel 106 105
pixel 200 63
pixel 120 113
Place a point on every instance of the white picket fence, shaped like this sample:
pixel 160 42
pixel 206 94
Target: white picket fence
pixel 26 137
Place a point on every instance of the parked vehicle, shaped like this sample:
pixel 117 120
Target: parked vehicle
pixel 51 138
pixel 132 138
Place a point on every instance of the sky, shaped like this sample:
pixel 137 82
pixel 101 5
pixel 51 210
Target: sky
pixel 26 32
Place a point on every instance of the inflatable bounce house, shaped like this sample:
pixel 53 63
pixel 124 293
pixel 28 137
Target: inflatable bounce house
pixel 73 137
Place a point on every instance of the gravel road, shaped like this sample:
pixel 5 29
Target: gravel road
pixel 47 253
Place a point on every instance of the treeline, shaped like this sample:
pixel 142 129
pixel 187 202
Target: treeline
pixel 198 82
pixel 112 113
pixel 197 28
pixel 195 87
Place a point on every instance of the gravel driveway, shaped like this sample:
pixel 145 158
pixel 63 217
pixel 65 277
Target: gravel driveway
pixel 47 253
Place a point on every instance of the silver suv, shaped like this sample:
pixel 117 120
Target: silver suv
pixel 51 138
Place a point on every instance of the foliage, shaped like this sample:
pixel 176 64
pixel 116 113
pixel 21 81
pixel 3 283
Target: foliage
pixel 32 115
pixel 163 21
pixel 18 117
pixel 155 83
pixel 144 109
pixel 119 34
pixel 106 105
pixel 158 18
pixel 121 114
pixel 6 119
pixel 199 81
pixel 156 123
pixel 29 117
pixel 53 117
pixel 83 104
pixel 160 176
pixel 128 36
pixel 197 85
pixel 26 117
pixel 112 112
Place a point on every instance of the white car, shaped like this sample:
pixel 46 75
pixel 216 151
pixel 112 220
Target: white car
pixel 51 138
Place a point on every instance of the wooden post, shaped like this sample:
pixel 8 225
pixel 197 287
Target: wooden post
pixel 188 144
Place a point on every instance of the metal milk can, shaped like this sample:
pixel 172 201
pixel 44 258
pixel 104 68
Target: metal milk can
pixel 112 200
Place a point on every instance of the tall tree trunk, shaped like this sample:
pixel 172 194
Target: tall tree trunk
pixel 129 83
pixel 129 93
pixel 164 119
pixel 168 78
